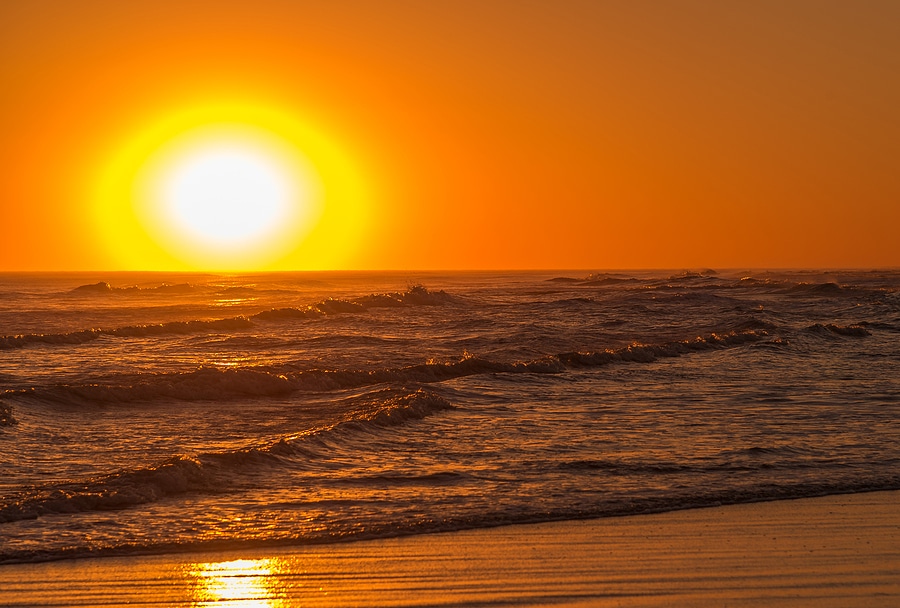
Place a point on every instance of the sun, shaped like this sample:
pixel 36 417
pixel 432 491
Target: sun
pixel 229 187
pixel 228 196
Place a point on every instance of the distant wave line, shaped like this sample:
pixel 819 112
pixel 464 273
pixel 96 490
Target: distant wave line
pixel 414 296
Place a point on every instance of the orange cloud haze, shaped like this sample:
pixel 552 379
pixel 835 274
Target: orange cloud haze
pixel 484 134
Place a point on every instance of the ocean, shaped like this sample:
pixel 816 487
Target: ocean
pixel 147 413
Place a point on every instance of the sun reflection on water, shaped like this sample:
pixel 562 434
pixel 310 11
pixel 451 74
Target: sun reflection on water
pixel 244 583
pixel 224 302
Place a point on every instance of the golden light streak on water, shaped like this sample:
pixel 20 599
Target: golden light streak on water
pixel 243 583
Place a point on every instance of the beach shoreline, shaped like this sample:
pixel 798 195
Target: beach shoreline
pixel 841 550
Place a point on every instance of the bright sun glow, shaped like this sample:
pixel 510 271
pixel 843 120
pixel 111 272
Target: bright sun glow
pixel 231 187
pixel 228 196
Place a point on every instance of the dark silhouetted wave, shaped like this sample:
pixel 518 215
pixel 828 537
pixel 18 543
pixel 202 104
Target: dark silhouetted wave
pixel 104 287
pixel 830 329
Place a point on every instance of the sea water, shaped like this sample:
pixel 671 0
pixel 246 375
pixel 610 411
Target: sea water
pixel 150 413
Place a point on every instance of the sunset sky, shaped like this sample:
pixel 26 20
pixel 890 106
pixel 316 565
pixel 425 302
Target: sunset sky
pixel 452 135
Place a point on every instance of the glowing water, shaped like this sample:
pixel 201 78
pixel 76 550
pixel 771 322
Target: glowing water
pixel 156 412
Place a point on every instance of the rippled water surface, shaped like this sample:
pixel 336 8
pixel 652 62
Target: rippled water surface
pixel 146 412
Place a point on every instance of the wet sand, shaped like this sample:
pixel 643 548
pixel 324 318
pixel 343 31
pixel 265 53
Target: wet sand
pixel 830 551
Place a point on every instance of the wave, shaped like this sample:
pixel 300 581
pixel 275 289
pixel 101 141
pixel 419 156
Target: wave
pixel 606 278
pixel 595 279
pixel 209 473
pixel 647 353
pixel 104 287
pixel 692 499
pixel 218 384
pixel 819 289
pixel 414 296
pixel 831 330
pixel 609 281
pixel 710 280
pixel 130 331
pixel 330 306
pixel 101 287
pixel 118 491
pixel 75 337
pixel 564 280
pixel 692 275
pixel 832 289
pixel 751 320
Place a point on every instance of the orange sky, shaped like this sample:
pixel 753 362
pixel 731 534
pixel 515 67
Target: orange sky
pixel 484 134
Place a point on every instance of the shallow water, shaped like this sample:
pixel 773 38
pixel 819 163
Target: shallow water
pixel 152 412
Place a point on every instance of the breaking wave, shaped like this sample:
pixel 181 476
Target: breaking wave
pixel 209 473
pixel 221 384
